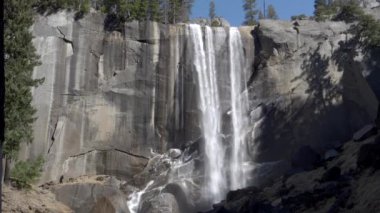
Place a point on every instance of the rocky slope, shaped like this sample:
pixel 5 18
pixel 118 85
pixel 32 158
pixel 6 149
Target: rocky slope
pixel 34 200
pixel 348 181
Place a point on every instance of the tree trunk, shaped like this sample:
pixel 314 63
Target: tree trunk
pixel 7 171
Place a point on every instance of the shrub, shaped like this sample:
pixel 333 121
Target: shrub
pixel 26 172
pixel 299 17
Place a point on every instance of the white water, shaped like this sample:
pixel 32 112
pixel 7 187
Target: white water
pixel 221 174
pixel 204 62
pixel 135 197
pixel 239 103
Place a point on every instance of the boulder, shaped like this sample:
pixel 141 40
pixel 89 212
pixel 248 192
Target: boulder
pixel 369 156
pixel 112 204
pixel 305 158
pixel 257 113
pixel 162 203
pixel 83 195
pixel 331 174
pixel 175 153
pixel 365 132
pixel 330 154
pixel 263 174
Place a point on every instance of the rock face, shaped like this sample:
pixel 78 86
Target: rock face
pixel 111 100
pixel 310 86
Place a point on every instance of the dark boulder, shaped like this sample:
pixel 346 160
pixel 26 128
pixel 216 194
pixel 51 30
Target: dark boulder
pixel 365 132
pixel 332 174
pixel 369 156
pixel 330 154
pixel 305 158
pixel 240 193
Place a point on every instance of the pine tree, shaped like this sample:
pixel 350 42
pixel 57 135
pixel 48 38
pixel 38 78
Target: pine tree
pixel 185 10
pixel 319 8
pixel 173 12
pixel 142 10
pixel 20 60
pixel 212 13
pixel 154 11
pixel 261 15
pixel 272 14
pixel 250 12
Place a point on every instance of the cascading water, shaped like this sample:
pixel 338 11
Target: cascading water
pixel 135 197
pixel 221 174
pixel 239 103
pixel 204 62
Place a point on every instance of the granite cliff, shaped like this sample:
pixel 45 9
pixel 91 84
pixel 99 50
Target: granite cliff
pixel 112 100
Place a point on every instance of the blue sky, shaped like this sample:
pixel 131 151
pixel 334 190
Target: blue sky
pixel 232 10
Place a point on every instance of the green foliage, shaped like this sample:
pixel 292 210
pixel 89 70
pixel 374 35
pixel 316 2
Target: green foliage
pixel 249 7
pixel 324 10
pixel 212 13
pixel 85 6
pixel 174 11
pixel 154 11
pixel 167 11
pixel 215 23
pixel 26 172
pixel 20 60
pixel 51 6
pixel 272 14
pixel 367 31
pixel 349 12
pixel 298 17
pixel 366 28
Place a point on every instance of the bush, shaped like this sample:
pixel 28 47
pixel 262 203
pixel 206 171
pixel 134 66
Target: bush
pixel 299 17
pixel 366 29
pixel 26 172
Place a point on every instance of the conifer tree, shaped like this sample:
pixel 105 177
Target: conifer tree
pixel 142 10
pixel 261 15
pixel 173 11
pixel 250 12
pixel 272 14
pixel 185 9
pixel 20 60
pixel 211 13
pixel 154 11
pixel 319 9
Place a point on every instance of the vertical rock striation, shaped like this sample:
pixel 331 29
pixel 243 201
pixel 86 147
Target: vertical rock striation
pixel 111 100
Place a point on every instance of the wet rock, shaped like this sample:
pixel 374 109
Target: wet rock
pixel 175 153
pixel 162 203
pixel 263 174
pixel 330 154
pixel 365 132
pixel 305 158
pixel 240 193
pixel 257 113
pixel 369 156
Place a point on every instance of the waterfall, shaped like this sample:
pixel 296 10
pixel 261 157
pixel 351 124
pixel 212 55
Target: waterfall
pixel 135 197
pixel 223 172
pixel 204 63
pixel 239 103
